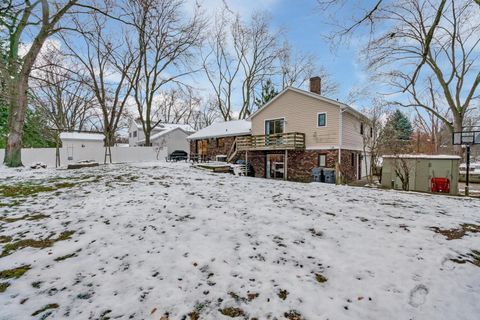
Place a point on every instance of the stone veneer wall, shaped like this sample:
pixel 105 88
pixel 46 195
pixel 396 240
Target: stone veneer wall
pixel 301 162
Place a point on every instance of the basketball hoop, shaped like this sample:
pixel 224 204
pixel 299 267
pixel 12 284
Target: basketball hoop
pixel 467 138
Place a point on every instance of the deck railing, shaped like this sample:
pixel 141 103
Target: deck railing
pixel 279 141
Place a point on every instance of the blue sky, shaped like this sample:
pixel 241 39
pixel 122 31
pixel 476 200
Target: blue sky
pixel 304 25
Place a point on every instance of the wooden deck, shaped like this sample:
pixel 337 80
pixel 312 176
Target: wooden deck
pixel 280 141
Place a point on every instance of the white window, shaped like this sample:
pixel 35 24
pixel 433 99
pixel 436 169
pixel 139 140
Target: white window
pixel 322 160
pixel 274 126
pixel 322 120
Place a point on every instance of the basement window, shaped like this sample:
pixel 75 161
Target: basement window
pixel 322 160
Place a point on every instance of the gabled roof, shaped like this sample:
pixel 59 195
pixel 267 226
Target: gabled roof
pixel 223 129
pixel 313 95
pixel 82 136
pixel 165 126
pixel 163 133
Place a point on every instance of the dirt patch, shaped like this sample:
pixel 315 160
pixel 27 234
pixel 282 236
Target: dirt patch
pixel 232 312
pixel 14 273
pixel 238 298
pixel 320 278
pixel 283 294
pixel 473 257
pixel 5 239
pixel 45 308
pixel 293 315
pixel 4 286
pixel 9 248
pixel 457 233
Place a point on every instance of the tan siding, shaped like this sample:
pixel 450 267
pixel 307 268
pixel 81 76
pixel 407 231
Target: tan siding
pixel 300 113
pixel 351 132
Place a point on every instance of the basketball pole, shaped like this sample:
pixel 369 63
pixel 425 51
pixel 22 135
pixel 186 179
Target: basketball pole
pixel 467 178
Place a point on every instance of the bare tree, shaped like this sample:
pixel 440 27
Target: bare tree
pixel 165 41
pixel 108 62
pixel 40 19
pixel 58 91
pixel 220 65
pixel 421 40
pixel 297 68
pixel 372 134
pixel 256 48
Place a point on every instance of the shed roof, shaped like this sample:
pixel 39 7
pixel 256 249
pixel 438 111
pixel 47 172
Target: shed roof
pixel 423 156
pixel 82 136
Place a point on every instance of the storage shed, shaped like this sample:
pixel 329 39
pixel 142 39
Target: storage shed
pixel 425 173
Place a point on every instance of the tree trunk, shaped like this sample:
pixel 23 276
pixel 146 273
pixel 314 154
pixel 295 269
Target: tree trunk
pixel 16 119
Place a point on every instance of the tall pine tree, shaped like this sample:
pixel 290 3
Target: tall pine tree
pixel 267 94
pixel 399 126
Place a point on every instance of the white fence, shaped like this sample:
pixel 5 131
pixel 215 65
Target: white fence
pixel 72 155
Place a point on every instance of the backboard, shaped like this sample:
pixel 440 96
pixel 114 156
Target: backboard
pixel 466 137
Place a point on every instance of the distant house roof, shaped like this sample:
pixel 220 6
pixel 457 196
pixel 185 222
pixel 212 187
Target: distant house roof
pixel 164 126
pixel 223 129
pixel 163 133
pixel 313 95
pixel 422 156
pixel 82 136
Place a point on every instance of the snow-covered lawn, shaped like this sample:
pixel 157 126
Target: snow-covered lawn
pixel 166 241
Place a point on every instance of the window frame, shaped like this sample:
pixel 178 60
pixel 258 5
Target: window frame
pixel 274 119
pixel 319 163
pixel 362 128
pixel 325 122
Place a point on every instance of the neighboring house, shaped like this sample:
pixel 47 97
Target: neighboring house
pixel 165 135
pixel 298 131
pixel 218 139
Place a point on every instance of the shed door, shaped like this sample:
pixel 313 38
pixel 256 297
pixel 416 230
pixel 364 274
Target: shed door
pixel 422 176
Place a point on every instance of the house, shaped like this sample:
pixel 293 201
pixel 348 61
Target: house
pixel 165 135
pixel 297 131
pixel 79 140
pixel 218 139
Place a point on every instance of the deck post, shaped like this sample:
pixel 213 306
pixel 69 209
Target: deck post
pixel 285 164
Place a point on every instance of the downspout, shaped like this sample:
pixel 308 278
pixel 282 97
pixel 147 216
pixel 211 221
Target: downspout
pixel 340 145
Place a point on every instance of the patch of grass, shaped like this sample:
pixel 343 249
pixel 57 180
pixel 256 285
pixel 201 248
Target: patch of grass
pixel 45 308
pixel 293 315
pixel 65 257
pixel 232 312
pixel 473 257
pixel 4 286
pixel 9 248
pixel 14 273
pixel 320 278
pixel 457 233
pixel 25 189
pixel 37 284
pixel 282 294
pixel 27 217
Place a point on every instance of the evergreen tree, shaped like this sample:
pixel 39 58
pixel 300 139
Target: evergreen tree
pixel 399 126
pixel 268 93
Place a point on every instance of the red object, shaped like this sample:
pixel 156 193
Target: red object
pixel 441 185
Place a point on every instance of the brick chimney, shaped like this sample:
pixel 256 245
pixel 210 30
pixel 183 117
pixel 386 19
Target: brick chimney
pixel 316 85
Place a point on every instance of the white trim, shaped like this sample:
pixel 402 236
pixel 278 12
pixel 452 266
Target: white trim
pixel 319 113
pixel 280 118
